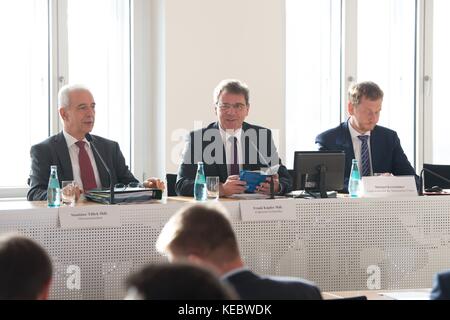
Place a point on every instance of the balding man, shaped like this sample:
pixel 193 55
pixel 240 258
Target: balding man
pixel 72 153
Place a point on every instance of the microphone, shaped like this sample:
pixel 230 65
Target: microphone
pixel 111 185
pixel 422 184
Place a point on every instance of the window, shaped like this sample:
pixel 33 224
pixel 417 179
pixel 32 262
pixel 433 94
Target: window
pixel 313 72
pixel 90 44
pixel 376 42
pixel 386 55
pixel 99 57
pixel 439 84
pixel 24 83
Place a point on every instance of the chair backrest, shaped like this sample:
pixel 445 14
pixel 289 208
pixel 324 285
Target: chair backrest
pixel 171 181
pixel 291 173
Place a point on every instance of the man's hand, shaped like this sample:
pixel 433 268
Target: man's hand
pixel 78 192
pixel 232 186
pixel 154 183
pixel 264 187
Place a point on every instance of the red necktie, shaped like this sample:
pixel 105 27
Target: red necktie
pixel 86 170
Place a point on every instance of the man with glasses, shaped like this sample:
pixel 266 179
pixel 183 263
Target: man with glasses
pixel 73 153
pixel 230 145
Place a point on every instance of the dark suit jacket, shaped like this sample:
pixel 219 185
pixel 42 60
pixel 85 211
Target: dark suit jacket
pixel 386 151
pixel 441 286
pixel 250 286
pixel 206 145
pixel 54 151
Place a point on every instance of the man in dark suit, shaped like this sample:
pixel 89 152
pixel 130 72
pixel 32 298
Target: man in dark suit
pixel 70 151
pixel 376 148
pixel 441 286
pixel 203 235
pixel 231 145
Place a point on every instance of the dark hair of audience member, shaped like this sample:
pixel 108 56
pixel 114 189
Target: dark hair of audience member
pixel 178 281
pixel 25 269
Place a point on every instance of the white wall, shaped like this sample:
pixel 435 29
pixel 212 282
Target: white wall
pixel 210 40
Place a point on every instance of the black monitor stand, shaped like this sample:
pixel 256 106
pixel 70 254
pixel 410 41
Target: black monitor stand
pixel 322 178
pixel 322 192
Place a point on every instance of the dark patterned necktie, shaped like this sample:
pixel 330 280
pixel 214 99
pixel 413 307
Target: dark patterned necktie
pixel 365 155
pixel 234 168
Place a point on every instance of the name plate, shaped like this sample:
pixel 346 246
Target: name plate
pixel 267 210
pixel 89 217
pixel 383 187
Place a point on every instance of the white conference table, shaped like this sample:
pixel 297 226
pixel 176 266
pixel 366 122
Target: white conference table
pixel 340 244
pixel 403 294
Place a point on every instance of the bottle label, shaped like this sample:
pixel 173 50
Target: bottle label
pixel 53 197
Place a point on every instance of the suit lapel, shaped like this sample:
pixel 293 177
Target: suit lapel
pixel 250 163
pixel 104 177
pixel 345 139
pixel 62 153
pixel 221 167
pixel 375 144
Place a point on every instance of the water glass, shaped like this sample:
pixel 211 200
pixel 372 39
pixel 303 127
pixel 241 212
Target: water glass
pixel 212 187
pixel 68 192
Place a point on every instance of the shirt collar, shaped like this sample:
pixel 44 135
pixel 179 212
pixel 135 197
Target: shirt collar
pixel 71 140
pixel 233 272
pixel 227 134
pixel 354 134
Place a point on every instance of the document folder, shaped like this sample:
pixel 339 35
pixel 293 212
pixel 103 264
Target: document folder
pixel 131 195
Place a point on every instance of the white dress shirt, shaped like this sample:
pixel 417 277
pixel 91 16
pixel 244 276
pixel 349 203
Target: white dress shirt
pixel 73 152
pixel 227 137
pixel 357 143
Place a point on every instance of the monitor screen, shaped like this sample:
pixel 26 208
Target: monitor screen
pixel 308 166
pixel 431 175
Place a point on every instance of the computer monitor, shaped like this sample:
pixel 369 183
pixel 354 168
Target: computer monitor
pixel 436 175
pixel 319 171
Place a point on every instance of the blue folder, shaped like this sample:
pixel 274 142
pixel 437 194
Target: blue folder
pixel 253 179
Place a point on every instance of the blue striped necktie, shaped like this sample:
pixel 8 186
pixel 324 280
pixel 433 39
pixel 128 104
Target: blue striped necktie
pixel 365 156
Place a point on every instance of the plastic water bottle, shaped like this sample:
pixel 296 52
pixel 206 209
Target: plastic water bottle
pixel 54 189
pixel 200 183
pixel 354 181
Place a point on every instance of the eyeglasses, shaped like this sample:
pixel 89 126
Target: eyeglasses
pixel 123 187
pixel 236 106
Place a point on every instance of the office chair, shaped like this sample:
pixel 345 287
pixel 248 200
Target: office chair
pixel 291 173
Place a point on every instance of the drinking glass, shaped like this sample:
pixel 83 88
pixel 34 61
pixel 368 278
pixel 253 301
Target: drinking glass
pixel 68 193
pixel 212 187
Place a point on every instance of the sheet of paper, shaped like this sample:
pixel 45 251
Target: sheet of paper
pixel 408 295
pixel 277 210
pixel 89 217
